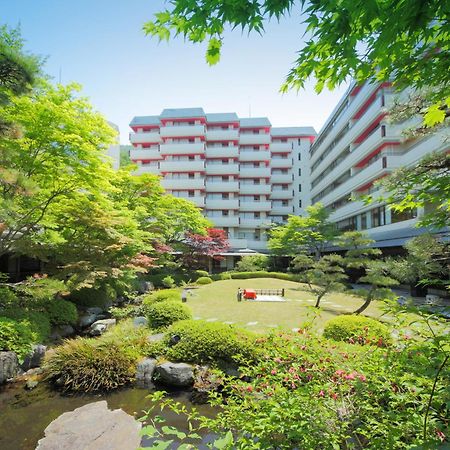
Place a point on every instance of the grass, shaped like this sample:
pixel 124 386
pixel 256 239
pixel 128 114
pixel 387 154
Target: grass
pixel 218 301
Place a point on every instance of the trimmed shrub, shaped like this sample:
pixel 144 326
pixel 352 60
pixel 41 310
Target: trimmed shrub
pixel 204 280
pixel 201 273
pixel 38 322
pixel 206 342
pixel 89 297
pixel 225 276
pixel 162 296
pixel 16 337
pixel 357 330
pixel 61 312
pixel 162 314
pixel 124 312
pixel 278 275
pixel 253 263
pixel 168 282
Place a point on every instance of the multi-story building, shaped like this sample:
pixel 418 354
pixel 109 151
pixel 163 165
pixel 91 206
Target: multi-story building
pixel 243 173
pixel 356 147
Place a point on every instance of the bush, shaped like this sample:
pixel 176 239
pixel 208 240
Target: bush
pixel 89 297
pixel 168 282
pixel 357 329
pixel 162 296
pixel 102 364
pixel 124 312
pixel 201 273
pixel 61 312
pixel 204 280
pixel 38 322
pixel 16 337
pixel 205 342
pixel 162 314
pixel 278 275
pixel 7 297
pixel 253 263
pixel 225 276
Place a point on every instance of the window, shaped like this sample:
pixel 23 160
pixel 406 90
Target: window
pixel 191 158
pixel 191 176
pixel 284 187
pixel 299 156
pixel 256 198
pixel 256 215
pixel 225 178
pixel 256 164
pixel 299 172
pixel 285 203
pixel 299 203
pixel 225 213
pixel 364 221
pixel 256 181
pixel 191 193
pixel 191 140
pixel 400 216
pixel 378 217
pixel 225 196
pixel 299 188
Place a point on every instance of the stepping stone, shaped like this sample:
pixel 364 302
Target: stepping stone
pixel 212 319
pixel 229 322
pixel 251 323
pixel 197 318
pixel 295 330
pixel 272 326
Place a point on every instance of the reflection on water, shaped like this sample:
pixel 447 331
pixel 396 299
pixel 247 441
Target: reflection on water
pixel 24 415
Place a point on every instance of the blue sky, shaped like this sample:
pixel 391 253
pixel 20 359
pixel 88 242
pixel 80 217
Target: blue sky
pixel 100 44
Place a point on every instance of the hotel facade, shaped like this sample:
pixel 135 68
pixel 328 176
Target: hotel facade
pixel 243 173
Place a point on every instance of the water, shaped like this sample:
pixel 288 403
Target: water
pixel 24 415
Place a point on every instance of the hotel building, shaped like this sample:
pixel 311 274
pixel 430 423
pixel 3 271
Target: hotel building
pixel 243 173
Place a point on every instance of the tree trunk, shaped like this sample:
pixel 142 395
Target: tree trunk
pixel 318 301
pixel 364 306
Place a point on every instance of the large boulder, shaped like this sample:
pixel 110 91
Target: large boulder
pixel 34 358
pixel 86 320
pixel 144 287
pixel 158 337
pixel 140 321
pixel 175 374
pixel 9 366
pixel 100 326
pixel 62 331
pixel 92 427
pixel 144 373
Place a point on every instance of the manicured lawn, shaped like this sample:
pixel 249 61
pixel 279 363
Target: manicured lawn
pixel 218 301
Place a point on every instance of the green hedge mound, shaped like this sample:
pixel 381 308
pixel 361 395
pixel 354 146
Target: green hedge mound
pixel 163 314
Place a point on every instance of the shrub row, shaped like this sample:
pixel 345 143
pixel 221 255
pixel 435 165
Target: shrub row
pixel 162 314
pixel 262 274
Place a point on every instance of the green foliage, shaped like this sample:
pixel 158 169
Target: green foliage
pixel 37 321
pixel 208 342
pixel 168 282
pixel 162 314
pixel 358 330
pixel 61 312
pixel 261 274
pixel 102 364
pixel 225 276
pixel 125 312
pixel 322 276
pixel 253 263
pixel 204 280
pixel 16 336
pixel 201 273
pixel 8 297
pixel 162 296
pixel 101 296
pixel 307 234
pixel 359 252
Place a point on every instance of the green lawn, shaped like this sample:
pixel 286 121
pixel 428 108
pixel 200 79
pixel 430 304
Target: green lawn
pixel 218 301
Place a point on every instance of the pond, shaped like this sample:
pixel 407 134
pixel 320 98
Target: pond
pixel 24 415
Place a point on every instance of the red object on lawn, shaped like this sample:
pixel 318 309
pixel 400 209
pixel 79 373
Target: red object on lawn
pixel 249 294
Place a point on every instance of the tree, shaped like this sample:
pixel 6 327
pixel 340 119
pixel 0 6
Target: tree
pixel 406 42
pixel 423 185
pixel 253 263
pixel 427 262
pixel 210 246
pixel 308 234
pixel 376 273
pixel 322 276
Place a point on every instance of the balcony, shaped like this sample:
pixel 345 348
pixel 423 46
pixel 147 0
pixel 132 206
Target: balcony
pixel 145 138
pixel 143 153
pixel 183 183
pixel 222 135
pixel 263 222
pixel 182 166
pixel 254 139
pixel 257 245
pixel 282 195
pixel 281 147
pixel 281 178
pixel 254 156
pixel 222 152
pixel 254 172
pixel 230 203
pixel 182 131
pixel 281 210
pixel 222 169
pixel 281 163
pixel 222 186
pixel 238 243
pixel 146 169
pixel 254 189
pixel 225 221
pixel 197 200
pixel 255 206
pixel 182 149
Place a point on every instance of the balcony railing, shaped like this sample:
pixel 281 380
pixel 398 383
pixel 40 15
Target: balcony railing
pixel 254 156
pixel 222 152
pixel 254 139
pixel 145 138
pixel 222 169
pixel 222 135
pixel 182 149
pixel 143 153
pixel 182 131
pixel 182 166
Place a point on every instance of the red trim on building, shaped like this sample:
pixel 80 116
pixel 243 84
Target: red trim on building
pixel 370 183
pixel 363 161
pixel 144 127
pixel 165 172
pixel 234 124
pixel 362 137
pixel 183 119
pixel 164 138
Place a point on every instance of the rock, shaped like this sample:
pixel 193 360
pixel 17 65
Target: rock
pixel 31 384
pixel 9 366
pixel 62 331
pixel 174 339
pixel 144 287
pixel 144 373
pixel 34 358
pixel 100 326
pixel 175 374
pixel 87 320
pixel 204 383
pixel 140 321
pixel 94 310
pixel 92 427
pixel 155 337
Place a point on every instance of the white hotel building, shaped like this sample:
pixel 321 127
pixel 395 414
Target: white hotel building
pixel 356 147
pixel 244 173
